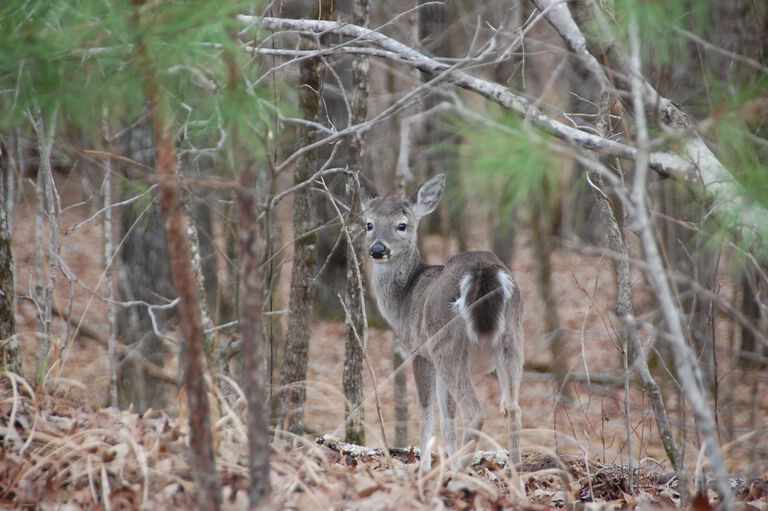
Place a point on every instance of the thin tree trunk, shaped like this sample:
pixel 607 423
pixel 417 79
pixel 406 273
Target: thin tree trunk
pixel 403 174
pixel 251 299
pixel 688 373
pixel 630 336
pixel 13 166
pixel 197 268
pixel 436 139
pixel 191 357
pixel 541 225
pixel 205 315
pixel 108 256
pixel 356 325
pixel 252 333
pixel 752 354
pixel 145 274
pixel 46 206
pixel 294 369
pixel 9 345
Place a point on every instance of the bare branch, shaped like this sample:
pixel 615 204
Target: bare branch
pixel 697 165
pixel 714 48
pixel 662 162
pixel 687 370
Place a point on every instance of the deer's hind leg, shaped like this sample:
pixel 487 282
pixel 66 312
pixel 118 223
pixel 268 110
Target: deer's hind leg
pixel 447 420
pixel 453 370
pixel 509 369
pixel 424 375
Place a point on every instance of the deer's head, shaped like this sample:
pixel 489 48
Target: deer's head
pixel 391 224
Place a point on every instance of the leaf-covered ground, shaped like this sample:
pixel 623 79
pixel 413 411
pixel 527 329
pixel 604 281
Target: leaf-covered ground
pixel 59 454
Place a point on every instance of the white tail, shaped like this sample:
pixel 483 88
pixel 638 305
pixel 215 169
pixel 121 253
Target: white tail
pixel 488 322
pixel 458 318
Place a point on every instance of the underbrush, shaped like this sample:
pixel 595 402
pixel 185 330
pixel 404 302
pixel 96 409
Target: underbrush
pixel 59 453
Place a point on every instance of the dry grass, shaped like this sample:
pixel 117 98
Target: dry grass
pixel 59 455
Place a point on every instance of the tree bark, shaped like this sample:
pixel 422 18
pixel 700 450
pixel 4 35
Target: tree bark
pixel 191 357
pixel 252 333
pixel 108 260
pixel 47 205
pixel 754 292
pixel 355 324
pixel 9 346
pixel 294 369
pixel 144 275
pixel 251 299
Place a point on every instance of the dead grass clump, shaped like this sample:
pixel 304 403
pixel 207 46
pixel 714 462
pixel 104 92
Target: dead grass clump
pixel 64 454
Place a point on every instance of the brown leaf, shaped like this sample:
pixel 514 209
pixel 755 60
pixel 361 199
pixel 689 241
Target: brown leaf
pixel 629 500
pixel 411 456
pixel 701 503
pixel 369 490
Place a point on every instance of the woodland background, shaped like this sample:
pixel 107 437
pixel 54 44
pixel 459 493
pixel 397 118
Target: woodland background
pixel 181 312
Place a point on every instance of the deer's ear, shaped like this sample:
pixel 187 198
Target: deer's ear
pixel 425 200
pixel 368 191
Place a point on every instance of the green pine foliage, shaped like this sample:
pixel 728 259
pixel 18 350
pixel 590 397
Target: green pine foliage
pixel 659 22
pixel 79 57
pixel 510 165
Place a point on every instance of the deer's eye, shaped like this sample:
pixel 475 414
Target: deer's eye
pixel 369 226
pixel 401 227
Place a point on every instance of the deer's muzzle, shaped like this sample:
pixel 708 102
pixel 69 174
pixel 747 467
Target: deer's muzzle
pixel 379 250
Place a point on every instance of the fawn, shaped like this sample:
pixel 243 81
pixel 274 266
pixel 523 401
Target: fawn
pixel 456 320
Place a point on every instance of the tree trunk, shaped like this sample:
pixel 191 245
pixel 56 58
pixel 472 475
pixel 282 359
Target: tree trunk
pixel 197 271
pixel 294 370
pixel 355 324
pixel 252 333
pixel 145 275
pixel 9 346
pixel 688 372
pixel 191 356
pixel 47 205
pixel 436 140
pixel 108 261
pixel 541 225
pixel 251 300
pixel 754 294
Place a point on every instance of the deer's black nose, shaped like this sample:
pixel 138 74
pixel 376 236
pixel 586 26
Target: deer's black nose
pixel 378 250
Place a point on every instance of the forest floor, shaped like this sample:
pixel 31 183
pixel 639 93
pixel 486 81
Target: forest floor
pixel 64 449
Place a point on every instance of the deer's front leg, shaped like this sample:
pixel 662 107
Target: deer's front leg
pixel 424 374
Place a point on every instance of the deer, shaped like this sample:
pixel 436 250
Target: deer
pixel 456 320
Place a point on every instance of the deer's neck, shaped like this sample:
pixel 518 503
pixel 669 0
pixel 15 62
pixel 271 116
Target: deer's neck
pixel 394 283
